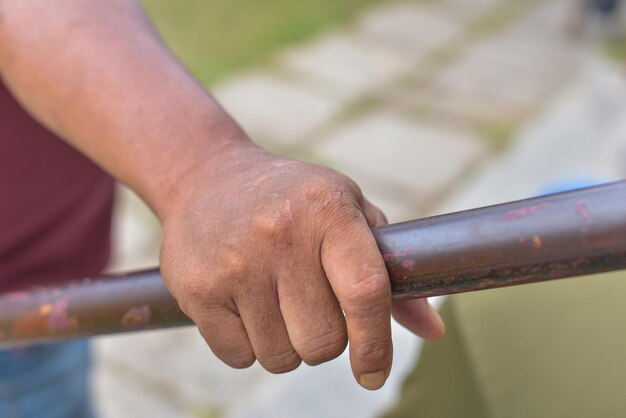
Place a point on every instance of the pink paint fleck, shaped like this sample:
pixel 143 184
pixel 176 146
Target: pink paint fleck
pixel 58 318
pixel 391 256
pixel 520 213
pixel 408 264
pixel 581 209
pixel 137 316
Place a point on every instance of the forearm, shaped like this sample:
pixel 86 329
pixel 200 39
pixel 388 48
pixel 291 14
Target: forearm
pixel 97 74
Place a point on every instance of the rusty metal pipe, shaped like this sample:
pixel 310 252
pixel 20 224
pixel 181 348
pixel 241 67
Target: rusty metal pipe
pixel 93 306
pixel 562 235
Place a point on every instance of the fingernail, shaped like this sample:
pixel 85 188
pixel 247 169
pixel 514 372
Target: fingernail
pixel 372 381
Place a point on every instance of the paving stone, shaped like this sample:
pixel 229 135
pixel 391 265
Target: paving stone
pixel 467 10
pixel 516 52
pixel 554 14
pixel 550 26
pixel 275 109
pixel 502 78
pixel 346 65
pixel 540 31
pixel 473 99
pixel 413 29
pixel 422 158
pixel 581 136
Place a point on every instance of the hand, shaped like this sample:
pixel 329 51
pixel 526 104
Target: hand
pixel 267 255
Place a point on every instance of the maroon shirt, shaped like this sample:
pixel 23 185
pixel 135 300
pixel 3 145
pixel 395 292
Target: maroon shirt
pixel 55 204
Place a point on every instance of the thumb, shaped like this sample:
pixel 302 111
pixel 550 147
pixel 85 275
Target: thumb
pixel 417 315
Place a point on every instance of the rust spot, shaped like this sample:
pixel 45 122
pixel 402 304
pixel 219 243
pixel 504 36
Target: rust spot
pixel 137 316
pixel 520 213
pixel 45 309
pixel 28 324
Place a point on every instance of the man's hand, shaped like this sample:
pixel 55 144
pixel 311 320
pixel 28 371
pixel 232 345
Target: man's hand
pixel 267 255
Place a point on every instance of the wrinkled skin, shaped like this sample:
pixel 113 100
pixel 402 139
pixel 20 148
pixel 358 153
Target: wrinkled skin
pixel 267 255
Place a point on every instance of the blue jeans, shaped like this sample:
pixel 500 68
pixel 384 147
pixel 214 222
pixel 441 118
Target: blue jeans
pixel 46 381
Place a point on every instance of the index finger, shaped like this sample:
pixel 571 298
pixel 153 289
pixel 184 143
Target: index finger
pixel 357 274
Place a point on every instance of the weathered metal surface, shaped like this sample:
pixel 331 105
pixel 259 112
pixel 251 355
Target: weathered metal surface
pixel 88 307
pixel 562 235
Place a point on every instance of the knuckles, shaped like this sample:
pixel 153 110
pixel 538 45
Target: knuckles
pixel 326 194
pixel 279 363
pixel 238 355
pixel 321 184
pixel 366 294
pixel 335 204
pixel 275 225
pixel 324 348
pixel 230 263
pixel 239 361
pixel 216 277
pixel 320 203
pixel 373 353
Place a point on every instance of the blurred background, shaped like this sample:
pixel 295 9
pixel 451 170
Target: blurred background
pixel 431 106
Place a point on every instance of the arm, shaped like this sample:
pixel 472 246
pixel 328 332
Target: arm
pixel 264 254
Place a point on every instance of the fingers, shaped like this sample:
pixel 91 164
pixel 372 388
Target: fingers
pixel 226 336
pixel 266 330
pixel 312 315
pixel 419 317
pixel 357 274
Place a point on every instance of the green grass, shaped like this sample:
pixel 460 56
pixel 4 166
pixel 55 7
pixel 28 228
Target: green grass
pixel 616 47
pixel 499 133
pixel 214 38
pixel 206 412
